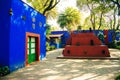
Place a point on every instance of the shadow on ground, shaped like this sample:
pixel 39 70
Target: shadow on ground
pixel 68 69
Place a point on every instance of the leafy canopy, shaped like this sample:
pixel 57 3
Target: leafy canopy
pixel 69 19
pixel 98 9
pixel 43 6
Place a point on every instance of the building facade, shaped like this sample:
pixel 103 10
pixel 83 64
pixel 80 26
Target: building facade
pixel 23 34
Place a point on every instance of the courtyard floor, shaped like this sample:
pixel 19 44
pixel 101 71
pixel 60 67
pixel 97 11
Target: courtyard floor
pixel 69 69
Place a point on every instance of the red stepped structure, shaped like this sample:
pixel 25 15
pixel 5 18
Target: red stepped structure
pixel 85 45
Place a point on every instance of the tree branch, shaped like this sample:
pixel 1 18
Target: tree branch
pixel 46 3
pixel 55 4
pixel 50 6
pixel 117 3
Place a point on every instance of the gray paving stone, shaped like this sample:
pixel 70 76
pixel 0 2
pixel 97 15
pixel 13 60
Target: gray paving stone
pixel 69 69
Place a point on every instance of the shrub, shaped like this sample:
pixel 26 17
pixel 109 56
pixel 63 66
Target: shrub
pixel 47 46
pixel 52 47
pixel 118 47
pixel 118 43
pixel 4 70
pixel 118 77
pixel 112 44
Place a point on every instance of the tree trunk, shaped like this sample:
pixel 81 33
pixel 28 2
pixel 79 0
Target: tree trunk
pixel 92 18
pixel 100 24
pixel 94 25
pixel 114 25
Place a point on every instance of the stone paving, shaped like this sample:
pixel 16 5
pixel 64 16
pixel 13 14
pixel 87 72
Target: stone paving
pixel 69 69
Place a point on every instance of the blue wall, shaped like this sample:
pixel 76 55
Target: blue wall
pixel 63 38
pixel 4 31
pixel 67 35
pixel 20 22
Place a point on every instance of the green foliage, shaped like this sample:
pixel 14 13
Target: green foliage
pixel 52 14
pixel 79 27
pixel 46 7
pixel 87 23
pixel 69 19
pixel 4 70
pixel 101 36
pixel 37 4
pixel 52 47
pixel 54 28
pixel 48 31
pixel 115 44
pixel 62 20
pixel 80 3
pixel 117 47
pixel 99 10
pixel 112 45
pixel 48 47
pixel 118 77
pixel 118 43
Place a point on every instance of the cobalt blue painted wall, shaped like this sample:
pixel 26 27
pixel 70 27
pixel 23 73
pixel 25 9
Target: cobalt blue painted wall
pixel 4 31
pixel 66 34
pixel 19 27
pixel 14 33
pixel 63 38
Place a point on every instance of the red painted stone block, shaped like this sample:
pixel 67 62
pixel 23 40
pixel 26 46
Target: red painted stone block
pixel 85 45
pixel 82 35
pixel 86 51
pixel 86 41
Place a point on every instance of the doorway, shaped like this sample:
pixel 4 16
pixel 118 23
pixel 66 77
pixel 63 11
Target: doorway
pixel 32 47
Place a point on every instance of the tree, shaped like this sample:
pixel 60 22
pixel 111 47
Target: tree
pixel 117 2
pixel 103 8
pixel 69 19
pixel 44 6
pixel 97 9
pixel 52 14
pixel 90 5
pixel 112 23
pixel 87 22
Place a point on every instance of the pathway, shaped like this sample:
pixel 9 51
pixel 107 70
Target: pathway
pixel 69 69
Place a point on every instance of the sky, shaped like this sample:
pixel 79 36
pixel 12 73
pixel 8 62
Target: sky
pixel 66 3
pixel 61 7
pixel 63 4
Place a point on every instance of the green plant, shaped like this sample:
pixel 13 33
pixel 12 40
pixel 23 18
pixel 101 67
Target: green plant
pixel 47 46
pixel 4 70
pixel 101 36
pixel 118 47
pixel 112 44
pixel 118 77
pixel 118 43
pixel 52 47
